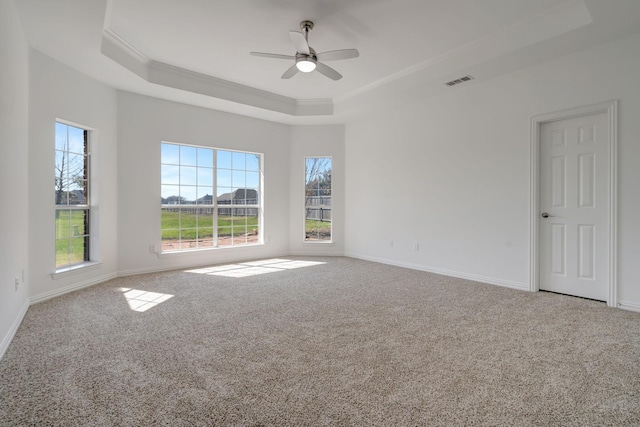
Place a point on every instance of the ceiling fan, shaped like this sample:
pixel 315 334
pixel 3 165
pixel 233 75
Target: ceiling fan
pixel 306 59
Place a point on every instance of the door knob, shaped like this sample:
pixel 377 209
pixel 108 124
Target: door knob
pixel 545 215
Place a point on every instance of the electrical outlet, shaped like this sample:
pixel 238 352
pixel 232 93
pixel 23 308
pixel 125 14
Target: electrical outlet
pixel 152 248
pixel 17 282
pixel 390 243
pixel 416 246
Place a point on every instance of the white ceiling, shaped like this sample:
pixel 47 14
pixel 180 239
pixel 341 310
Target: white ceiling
pixel 197 51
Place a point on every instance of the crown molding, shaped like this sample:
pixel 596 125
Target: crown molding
pixel 314 107
pixel 118 49
pixel 125 54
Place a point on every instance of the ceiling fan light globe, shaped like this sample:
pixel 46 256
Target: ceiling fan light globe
pixel 306 66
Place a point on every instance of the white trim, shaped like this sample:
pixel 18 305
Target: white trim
pixel 90 206
pixel 6 341
pixel 314 107
pixel 182 78
pixel 117 48
pixel 610 108
pixel 320 250
pixel 123 44
pixel 330 242
pixel 612 115
pixel 215 205
pixel 76 125
pixel 534 183
pixel 76 269
pixel 319 242
pixel 74 287
pixel 444 272
pixel 178 252
pixel 136 271
pixel 630 306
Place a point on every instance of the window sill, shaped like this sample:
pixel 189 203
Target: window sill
pixel 197 251
pixel 76 269
pixel 319 242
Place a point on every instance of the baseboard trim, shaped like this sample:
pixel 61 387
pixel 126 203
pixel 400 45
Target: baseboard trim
pixel 6 341
pixel 630 306
pixel 65 290
pixel 149 270
pixel 328 253
pixel 444 272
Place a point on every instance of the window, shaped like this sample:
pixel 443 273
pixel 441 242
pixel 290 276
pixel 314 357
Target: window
pixel 317 199
pixel 210 197
pixel 73 210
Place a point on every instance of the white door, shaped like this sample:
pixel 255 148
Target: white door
pixel 574 206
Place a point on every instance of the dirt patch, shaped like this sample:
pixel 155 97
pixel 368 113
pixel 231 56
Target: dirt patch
pixel 174 245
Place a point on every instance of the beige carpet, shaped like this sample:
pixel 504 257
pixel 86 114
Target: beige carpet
pixel 338 342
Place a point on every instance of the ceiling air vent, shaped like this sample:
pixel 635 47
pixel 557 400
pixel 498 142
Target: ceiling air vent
pixel 458 81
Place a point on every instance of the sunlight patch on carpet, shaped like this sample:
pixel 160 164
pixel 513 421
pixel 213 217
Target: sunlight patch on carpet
pixel 143 300
pixel 254 268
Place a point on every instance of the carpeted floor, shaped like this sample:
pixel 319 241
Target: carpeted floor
pixel 319 341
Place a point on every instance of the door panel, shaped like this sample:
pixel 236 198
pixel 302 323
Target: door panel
pixel 574 192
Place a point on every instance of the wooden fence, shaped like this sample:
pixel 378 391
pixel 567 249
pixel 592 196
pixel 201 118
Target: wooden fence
pixel 318 208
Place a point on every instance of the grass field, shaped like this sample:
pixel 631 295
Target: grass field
pixel 190 226
pixel 70 238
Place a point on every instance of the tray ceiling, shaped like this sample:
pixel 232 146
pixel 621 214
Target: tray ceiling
pixel 197 51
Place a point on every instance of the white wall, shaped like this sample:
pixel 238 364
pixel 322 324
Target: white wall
pixel 14 227
pixel 143 123
pixel 316 141
pixel 59 92
pixel 452 172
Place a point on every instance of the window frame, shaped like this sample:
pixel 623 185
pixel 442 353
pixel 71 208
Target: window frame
pixel 306 240
pixel 215 205
pixel 90 248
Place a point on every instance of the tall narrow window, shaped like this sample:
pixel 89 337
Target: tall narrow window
pixel 210 197
pixel 318 199
pixel 71 195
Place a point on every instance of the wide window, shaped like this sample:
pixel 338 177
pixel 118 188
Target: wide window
pixel 318 199
pixel 72 195
pixel 210 197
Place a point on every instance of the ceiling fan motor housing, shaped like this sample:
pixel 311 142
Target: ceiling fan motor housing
pixel 303 56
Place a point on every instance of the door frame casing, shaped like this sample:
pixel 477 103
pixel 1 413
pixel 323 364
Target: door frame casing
pixel 610 108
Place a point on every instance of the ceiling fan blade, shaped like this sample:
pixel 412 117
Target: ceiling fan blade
pixel 272 55
pixel 334 55
pixel 299 42
pixel 328 71
pixel 291 71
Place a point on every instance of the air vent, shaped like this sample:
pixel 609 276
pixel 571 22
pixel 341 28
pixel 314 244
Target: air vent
pixel 458 81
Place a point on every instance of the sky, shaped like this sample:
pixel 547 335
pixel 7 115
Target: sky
pixel 69 159
pixel 188 171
